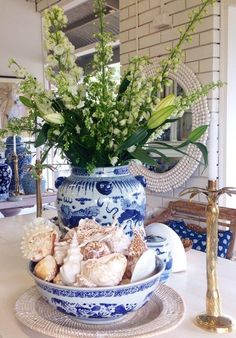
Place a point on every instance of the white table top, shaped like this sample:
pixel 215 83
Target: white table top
pixel 191 285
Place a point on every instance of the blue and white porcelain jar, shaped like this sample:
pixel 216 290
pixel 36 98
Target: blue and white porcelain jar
pixel 107 194
pixel 5 179
pixel 29 184
pixel 24 159
pixel 161 246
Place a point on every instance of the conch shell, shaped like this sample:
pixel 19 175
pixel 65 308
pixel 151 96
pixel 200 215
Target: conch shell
pixel 72 262
pixel 46 269
pixel 105 271
pixel 60 251
pixel 38 239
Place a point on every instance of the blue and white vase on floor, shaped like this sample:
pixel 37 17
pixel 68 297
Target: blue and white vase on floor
pixel 163 251
pixel 24 159
pixel 5 179
pixel 107 194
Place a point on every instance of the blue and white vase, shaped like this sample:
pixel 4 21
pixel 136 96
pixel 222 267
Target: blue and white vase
pixel 29 184
pixel 5 180
pixel 107 194
pixel 163 251
pixel 24 159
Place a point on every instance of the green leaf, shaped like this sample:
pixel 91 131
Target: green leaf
pixel 135 139
pixel 204 152
pixel 154 150
pixel 169 146
pixel 197 133
pixel 26 102
pixel 141 155
pixel 123 86
pixel 42 136
pixel 160 116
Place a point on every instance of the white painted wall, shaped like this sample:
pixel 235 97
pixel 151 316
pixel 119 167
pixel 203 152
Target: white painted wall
pixel 227 158
pixel 20 36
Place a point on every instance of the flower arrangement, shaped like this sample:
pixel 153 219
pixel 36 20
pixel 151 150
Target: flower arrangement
pixel 92 120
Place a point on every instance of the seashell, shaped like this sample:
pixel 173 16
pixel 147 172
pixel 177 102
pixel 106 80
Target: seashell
pixel 95 250
pixel 105 271
pixel 82 281
pixel 138 245
pixel 38 240
pixel 145 266
pixel 118 242
pixel 57 280
pixel 60 251
pixel 72 262
pixel 46 269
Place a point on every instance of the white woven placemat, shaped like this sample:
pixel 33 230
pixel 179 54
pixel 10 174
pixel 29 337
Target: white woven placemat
pixel 162 313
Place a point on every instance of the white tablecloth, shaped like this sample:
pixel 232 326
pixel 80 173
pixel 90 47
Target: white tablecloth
pixel 191 285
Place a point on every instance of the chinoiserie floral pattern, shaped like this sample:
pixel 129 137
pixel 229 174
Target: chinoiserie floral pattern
pixel 108 194
pixel 163 251
pixel 5 180
pixel 101 304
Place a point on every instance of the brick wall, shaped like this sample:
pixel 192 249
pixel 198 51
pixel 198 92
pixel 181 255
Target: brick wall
pixel 202 56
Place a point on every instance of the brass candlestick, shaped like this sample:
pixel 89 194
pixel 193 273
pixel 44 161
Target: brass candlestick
pixel 39 202
pixel 212 320
pixel 16 174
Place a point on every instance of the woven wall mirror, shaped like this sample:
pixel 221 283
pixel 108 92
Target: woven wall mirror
pixel 186 165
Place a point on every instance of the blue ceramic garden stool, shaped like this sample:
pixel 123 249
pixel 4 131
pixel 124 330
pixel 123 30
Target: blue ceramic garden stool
pixel 107 194
pixel 161 246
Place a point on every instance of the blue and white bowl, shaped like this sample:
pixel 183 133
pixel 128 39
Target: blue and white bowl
pixel 161 246
pixel 102 304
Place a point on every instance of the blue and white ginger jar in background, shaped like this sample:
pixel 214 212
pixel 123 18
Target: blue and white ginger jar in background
pixel 29 184
pixel 24 159
pixel 163 251
pixel 107 194
pixel 5 179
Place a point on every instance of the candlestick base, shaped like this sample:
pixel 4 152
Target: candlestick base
pixel 220 324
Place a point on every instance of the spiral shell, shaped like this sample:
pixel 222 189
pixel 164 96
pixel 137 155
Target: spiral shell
pixel 72 262
pixel 38 240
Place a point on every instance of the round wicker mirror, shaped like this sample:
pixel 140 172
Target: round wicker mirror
pixel 175 177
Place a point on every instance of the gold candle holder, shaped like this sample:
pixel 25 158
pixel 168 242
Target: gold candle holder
pixel 212 320
pixel 39 202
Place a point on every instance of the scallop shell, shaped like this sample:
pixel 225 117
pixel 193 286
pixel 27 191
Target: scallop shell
pixel 145 266
pixel 46 269
pixel 105 271
pixel 38 240
pixel 72 262
pixel 60 251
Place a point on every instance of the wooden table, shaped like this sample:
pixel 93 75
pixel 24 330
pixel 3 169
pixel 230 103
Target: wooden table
pixel 191 285
pixel 11 208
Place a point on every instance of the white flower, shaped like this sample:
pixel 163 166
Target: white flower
pixel 114 160
pixel 81 104
pixel 56 132
pixel 131 149
pixel 116 131
pixel 77 128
